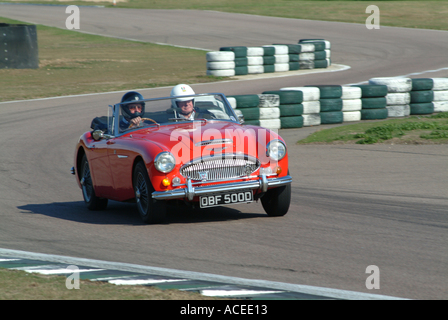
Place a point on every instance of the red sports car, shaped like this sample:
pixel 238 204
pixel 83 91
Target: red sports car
pixel 211 159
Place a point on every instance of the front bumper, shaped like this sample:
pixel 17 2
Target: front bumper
pixel 189 192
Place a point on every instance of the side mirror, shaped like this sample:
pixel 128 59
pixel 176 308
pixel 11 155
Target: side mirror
pixel 97 135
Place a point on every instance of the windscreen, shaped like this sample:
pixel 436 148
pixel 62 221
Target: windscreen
pixel 166 111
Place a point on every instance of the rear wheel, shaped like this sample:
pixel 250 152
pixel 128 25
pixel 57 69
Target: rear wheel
pixel 88 192
pixel 151 210
pixel 276 201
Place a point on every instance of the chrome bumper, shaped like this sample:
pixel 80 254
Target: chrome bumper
pixel 189 192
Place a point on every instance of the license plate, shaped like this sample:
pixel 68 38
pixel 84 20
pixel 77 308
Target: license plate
pixel 226 198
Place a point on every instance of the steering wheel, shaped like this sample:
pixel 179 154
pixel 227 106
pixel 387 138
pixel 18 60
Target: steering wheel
pixel 142 119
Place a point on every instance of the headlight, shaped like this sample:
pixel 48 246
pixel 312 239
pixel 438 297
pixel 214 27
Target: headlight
pixel 164 162
pixel 276 150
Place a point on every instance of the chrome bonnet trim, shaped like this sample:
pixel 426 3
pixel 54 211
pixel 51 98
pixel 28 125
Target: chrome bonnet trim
pixel 190 192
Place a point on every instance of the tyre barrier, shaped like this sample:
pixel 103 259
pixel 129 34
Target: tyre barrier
pixel 312 105
pixel 398 97
pixel 241 60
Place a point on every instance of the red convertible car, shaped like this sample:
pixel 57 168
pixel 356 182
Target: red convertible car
pixel 209 159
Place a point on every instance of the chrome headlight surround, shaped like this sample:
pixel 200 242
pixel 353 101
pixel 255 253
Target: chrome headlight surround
pixel 276 150
pixel 165 162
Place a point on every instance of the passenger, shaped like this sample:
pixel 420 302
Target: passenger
pixel 185 106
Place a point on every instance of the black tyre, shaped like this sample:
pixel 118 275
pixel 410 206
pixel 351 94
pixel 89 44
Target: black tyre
pixel 88 192
pixel 276 201
pixel 150 210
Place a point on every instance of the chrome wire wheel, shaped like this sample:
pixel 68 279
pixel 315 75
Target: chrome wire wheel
pixel 150 210
pixel 141 193
pixel 88 191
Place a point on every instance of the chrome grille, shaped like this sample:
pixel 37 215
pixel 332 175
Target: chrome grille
pixel 220 167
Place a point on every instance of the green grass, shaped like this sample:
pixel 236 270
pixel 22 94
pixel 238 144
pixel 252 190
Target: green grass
pixel 413 130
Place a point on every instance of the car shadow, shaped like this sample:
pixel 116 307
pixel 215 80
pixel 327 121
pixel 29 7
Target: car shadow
pixel 118 213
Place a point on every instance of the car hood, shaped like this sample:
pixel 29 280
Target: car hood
pixel 208 138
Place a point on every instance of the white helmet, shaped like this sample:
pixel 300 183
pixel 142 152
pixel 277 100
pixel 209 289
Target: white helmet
pixel 181 90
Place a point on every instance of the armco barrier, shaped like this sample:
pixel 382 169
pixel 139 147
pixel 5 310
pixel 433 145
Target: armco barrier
pixel 296 107
pixel 241 60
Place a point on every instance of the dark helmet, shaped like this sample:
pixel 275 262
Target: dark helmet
pixel 132 96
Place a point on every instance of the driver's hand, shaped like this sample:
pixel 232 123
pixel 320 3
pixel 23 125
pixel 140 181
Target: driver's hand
pixel 136 121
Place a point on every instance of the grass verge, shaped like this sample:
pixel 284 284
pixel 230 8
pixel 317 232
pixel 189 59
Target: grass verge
pixel 431 129
pixel 74 63
pixel 20 285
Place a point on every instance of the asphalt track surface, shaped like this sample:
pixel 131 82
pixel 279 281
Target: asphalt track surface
pixel 352 206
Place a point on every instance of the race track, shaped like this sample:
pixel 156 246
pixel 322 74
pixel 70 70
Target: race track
pixel 352 206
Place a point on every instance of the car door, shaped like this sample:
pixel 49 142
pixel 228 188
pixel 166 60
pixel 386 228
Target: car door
pixel 97 155
pixel 121 160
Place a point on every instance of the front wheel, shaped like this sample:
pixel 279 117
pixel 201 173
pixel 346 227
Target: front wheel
pixel 151 210
pixel 88 192
pixel 276 201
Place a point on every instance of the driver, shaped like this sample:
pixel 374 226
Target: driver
pixel 185 106
pixel 132 112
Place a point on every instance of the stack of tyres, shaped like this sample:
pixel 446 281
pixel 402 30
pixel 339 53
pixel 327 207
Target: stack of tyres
pixel 293 56
pixel 310 103
pixel 281 57
pixel 248 105
pixel 429 95
pixel 330 103
pixel 268 59
pixel 398 95
pixel 255 60
pixel 373 100
pixel 240 59
pixel 322 52
pixel 351 103
pixel 290 106
pixel 422 96
pixel 220 63
pixel 440 88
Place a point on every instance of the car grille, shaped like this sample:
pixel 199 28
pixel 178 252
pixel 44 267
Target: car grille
pixel 220 168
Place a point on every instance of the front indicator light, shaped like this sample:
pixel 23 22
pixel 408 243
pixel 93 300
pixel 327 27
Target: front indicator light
pixel 166 182
pixel 278 170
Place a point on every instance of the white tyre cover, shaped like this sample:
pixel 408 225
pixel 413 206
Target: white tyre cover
pixel 221 73
pixel 220 56
pixel 306 56
pixel 306 64
pixel 440 96
pixel 311 119
pixel 280 67
pixel 440 106
pixel 255 61
pixel 351 116
pixel 269 100
pixel 311 106
pixel 394 84
pixel 307 47
pixel 351 104
pixel 351 92
pixel 238 112
pixel 279 49
pixel 399 110
pixel 255 69
pixel 327 53
pixel 217 65
pixel 398 98
pixel 309 93
pixel 281 58
pixel 270 124
pixel 327 43
pixel 440 84
pixel 255 51
pixel 232 102
pixel 269 113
